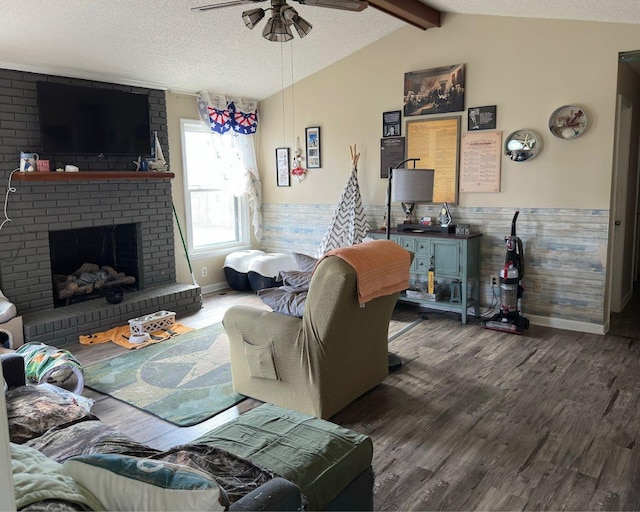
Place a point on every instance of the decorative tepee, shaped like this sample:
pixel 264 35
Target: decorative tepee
pixel 349 225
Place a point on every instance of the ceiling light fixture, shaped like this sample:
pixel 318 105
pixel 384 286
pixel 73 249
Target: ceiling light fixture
pixel 277 27
pixel 291 17
pixel 252 17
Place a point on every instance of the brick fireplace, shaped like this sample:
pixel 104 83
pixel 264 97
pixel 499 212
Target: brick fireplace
pixel 106 194
pixel 46 204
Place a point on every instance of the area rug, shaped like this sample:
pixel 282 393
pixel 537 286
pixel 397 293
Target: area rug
pixel 184 380
pixel 120 336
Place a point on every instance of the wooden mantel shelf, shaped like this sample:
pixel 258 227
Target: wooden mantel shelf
pixel 92 176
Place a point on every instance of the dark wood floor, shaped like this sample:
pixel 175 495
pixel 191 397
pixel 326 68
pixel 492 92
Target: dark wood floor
pixel 476 419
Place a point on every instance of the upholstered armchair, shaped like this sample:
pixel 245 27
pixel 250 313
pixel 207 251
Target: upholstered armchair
pixel 337 351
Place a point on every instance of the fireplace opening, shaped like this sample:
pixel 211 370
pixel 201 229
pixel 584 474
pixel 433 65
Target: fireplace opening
pixel 88 263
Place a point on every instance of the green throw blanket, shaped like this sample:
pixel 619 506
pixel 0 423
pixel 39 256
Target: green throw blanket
pixel 37 478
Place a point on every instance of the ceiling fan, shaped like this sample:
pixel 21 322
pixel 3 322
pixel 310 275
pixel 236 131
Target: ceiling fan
pixel 284 16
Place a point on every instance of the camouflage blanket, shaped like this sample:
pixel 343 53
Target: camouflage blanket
pixel 60 430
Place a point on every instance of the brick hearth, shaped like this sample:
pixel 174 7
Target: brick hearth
pixel 38 207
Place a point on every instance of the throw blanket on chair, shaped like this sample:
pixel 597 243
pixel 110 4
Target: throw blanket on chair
pixel 382 267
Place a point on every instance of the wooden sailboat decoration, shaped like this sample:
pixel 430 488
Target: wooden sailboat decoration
pixel 157 161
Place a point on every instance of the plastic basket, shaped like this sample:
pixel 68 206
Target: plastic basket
pixel 153 322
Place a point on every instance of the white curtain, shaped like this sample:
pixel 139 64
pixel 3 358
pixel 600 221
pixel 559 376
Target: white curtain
pixel 233 123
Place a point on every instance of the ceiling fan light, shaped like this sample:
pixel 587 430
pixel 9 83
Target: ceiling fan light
pixel 252 17
pixel 277 30
pixel 302 26
pixel 288 14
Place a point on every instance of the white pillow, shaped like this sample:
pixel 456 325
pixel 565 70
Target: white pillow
pixel 128 483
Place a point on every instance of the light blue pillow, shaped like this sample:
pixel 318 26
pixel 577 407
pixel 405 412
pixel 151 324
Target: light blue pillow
pixel 128 483
pixel 284 300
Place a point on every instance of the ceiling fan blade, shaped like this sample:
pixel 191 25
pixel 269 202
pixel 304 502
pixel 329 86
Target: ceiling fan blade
pixel 224 4
pixel 346 5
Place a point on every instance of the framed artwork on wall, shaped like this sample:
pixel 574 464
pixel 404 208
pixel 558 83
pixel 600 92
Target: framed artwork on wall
pixel 436 142
pixel 481 118
pixel 312 136
pixel 434 91
pixel 391 153
pixel 391 123
pixel 282 167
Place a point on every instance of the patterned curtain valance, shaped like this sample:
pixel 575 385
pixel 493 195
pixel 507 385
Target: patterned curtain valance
pixel 224 113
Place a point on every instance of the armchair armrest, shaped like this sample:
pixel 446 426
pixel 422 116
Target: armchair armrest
pixel 276 494
pixel 13 369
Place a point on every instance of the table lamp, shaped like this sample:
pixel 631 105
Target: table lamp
pixel 408 186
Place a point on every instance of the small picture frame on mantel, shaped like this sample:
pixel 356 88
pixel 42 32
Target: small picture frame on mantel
pixel 282 167
pixel 312 137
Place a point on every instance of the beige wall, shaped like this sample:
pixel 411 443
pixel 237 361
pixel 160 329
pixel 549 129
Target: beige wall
pixel 526 67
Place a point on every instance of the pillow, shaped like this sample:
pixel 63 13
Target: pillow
pixel 32 411
pixel 284 300
pixel 121 482
pixel 36 478
pixel 296 278
pixel 305 263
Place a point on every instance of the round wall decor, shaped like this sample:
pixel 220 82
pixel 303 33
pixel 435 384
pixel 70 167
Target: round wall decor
pixel 522 145
pixel 568 122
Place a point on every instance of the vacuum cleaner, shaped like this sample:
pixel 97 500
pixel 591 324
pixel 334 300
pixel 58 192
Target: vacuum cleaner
pixel 509 318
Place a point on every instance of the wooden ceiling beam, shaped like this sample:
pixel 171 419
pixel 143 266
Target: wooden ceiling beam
pixel 413 12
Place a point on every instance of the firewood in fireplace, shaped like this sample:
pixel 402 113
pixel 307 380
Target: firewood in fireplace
pixel 89 278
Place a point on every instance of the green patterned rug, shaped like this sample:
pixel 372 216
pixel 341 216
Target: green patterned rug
pixel 183 380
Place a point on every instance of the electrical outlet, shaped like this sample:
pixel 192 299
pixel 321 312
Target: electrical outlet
pixel 494 280
pixel 204 271
pixel 537 286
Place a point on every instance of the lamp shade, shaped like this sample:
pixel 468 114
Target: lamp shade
pixel 252 17
pixel 302 26
pixel 277 30
pixel 412 185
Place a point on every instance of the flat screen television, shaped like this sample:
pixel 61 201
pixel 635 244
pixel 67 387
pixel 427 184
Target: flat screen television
pixel 92 121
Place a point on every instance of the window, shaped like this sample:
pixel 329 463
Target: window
pixel 216 219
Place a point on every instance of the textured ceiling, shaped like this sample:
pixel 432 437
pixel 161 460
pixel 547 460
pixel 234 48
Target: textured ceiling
pixel 164 43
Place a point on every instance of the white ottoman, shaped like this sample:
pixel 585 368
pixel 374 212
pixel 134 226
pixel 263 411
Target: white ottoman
pixel 236 266
pixel 264 270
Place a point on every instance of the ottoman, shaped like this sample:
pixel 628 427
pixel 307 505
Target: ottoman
pixel 236 266
pixel 263 270
pixel 330 464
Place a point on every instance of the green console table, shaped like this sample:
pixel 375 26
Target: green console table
pixel 455 258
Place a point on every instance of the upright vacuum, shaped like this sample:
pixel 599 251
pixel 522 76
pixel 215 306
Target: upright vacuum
pixel 509 319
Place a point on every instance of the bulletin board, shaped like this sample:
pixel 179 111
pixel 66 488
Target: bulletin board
pixel 436 142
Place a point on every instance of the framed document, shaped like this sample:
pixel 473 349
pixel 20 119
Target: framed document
pixel 436 142
pixel 282 167
pixel 481 157
pixel 391 154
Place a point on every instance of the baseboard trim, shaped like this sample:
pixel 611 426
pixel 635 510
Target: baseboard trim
pixel 569 325
pixel 215 287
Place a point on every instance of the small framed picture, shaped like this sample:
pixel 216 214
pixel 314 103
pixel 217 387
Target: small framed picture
pixel 481 118
pixel 282 167
pixel 313 147
pixel 391 123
